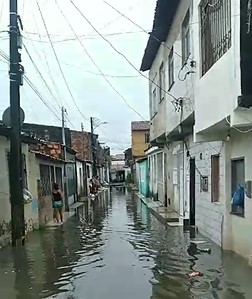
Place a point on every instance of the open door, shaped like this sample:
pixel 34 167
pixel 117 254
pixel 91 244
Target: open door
pixel 192 191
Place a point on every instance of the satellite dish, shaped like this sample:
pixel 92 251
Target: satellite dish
pixel 7 117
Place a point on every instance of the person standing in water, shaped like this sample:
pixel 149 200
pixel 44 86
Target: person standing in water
pixel 57 201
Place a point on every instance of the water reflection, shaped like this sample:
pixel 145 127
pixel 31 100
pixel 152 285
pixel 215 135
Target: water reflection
pixel 114 248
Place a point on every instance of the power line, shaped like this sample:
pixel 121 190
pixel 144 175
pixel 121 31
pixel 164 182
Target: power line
pixel 45 57
pixel 151 33
pixel 43 79
pixel 140 27
pixel 93 61
pixel 120 53
pixel 59 65
pixel 32 86
pixel 99 74
pixel 84 37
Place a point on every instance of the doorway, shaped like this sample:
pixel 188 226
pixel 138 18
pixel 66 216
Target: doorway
pixel 192 191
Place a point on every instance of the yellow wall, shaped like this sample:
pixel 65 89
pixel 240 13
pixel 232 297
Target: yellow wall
pixel 138 143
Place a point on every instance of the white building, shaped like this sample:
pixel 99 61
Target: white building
pixel 199 62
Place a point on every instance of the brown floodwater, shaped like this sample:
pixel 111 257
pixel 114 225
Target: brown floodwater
pixel 115 249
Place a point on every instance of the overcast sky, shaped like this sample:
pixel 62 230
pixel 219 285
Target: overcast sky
pixel 93 95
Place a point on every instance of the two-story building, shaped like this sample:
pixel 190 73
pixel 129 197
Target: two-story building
pixel 200 64
pixel 140 140
pixel 223 102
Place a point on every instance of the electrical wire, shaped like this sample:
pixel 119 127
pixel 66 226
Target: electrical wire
pixel 151 33
pixel 120 53
pixel 32 86
pixel 236 129
pixel 140 27
pixel 87 37
pixel 40 74
pixel 93 61
pixel 59 65
pixel 99 74
pixel 46 84
pixel 45 58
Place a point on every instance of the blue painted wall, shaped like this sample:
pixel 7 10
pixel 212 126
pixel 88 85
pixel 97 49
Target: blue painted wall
pixel 143 178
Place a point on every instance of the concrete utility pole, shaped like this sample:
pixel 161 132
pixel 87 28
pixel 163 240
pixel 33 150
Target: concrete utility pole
pixel 15 172
pixel 93 147
pixel 63 112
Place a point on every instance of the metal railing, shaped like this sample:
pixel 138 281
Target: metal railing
pixel 215 17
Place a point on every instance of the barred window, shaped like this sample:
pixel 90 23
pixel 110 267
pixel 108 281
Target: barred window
pixel 45 180
pixel 215 16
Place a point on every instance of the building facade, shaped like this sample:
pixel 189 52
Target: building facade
pixel 199 60
pixel 140 138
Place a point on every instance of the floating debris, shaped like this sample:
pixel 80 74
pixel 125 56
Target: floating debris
pixel 195 274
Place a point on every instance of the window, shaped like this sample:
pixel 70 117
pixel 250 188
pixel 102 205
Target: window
pixel 237 179
pixel 59 181
pixel 186 39
pixel 204 184
pixel 154 102
pixel 52 175
pixel 215 17
pixel 161 82
pixel 45 180
pixel 147 137
pixel 215 178
pixel 171 68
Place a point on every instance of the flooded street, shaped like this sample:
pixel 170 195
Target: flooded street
pixel 123 252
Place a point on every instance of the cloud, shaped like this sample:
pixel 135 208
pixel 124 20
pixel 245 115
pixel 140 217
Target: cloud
pixel 92 93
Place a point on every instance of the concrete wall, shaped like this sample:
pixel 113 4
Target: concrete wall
pixel 143 180
pixel 138 143
pixel 209 215
pixel 153 173
pixel 237 229
pixel 225 74
pixel 45 202
pixel 166 118
pixel 31 209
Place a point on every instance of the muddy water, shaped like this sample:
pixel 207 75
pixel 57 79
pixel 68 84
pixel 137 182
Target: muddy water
pixel 114 249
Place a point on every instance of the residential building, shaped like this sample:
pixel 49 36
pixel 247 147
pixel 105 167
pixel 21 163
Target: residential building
pixel 142 170
pixel 29 181
pixel 81 143
pixel 140 137
pixel 199 60
pixel 118 169
pixel 172 91
pixel 128 156
pixel 140 140
pixel 53 134
pixel 42 166
pixel 48 168
pixel 222 112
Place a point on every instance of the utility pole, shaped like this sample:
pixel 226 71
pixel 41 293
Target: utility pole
pixel 93 147
pixel 83 141
pixel 63 111
pixel 15 173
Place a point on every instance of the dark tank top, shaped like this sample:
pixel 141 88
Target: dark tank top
pixel 57 197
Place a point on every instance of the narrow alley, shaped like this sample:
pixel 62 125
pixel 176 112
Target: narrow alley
pixel 114 248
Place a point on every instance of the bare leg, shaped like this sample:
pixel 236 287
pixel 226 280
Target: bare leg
pixel 61 214
pixel 57 214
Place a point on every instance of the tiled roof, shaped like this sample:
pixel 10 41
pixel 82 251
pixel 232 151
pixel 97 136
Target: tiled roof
pixel 140 125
